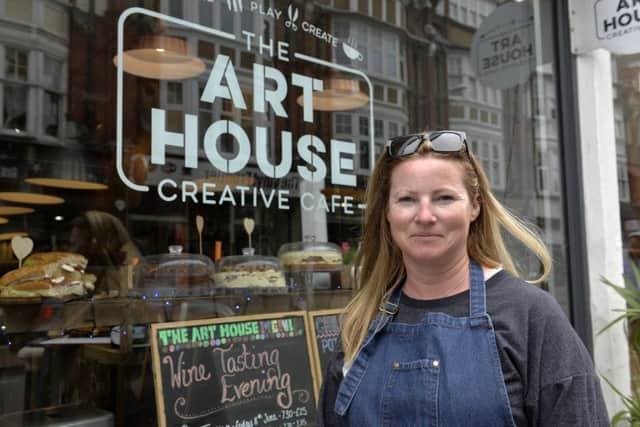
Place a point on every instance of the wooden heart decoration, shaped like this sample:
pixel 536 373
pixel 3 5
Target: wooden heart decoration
pixel 22 247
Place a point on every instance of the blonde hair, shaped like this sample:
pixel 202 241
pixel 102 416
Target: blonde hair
pixel 379 263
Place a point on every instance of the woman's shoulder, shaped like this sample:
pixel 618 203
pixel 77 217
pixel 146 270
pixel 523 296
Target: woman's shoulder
pixel 506 292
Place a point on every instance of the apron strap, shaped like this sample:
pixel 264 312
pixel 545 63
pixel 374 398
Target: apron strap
pixel 477 290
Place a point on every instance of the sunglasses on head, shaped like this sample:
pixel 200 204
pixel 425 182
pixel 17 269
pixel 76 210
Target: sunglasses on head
pixel 442 141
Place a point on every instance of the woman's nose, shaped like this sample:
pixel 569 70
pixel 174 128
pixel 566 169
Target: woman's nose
pixel 425 212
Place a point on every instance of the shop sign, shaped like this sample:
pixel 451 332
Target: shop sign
pixel 608 24
pixel 242 371
pixel 503 51
pixel 270 89
pixel 325 333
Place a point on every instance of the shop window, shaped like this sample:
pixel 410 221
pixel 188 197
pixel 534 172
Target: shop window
pixel 230 52
pixel 341 4
pixel 19 10
pixel 490 155
pixel 15 108
pixel 378 128
pixel 206 50
pixel 174 93
pixel 391 11
pixel 343 123
pixel 363 125
pixel 16 61
pixel 205 14
pixel 52 77
pixel 473 93
pixel 378 93
pixel 377 8
pixel 456 111
pixel 623 181
pixel 364 154
pixel 392 95
pixel 227 18
pixel 363 7
pixel 247 59
pixel 248 21
pixel 51 113
pixel 175 8
pixel 390 49
pixel 55 20
pixel 453 10
pixel 393 129
pixel 376 52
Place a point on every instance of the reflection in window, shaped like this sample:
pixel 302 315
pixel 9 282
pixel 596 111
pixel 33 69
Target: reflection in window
pixel 16 64
pixel 341 4
pixel 175 8
pixel 343 123
pixel 15 108
pixel 391 11
pixel 377 8
pixel 379 129
pixel 51 113
pixel 363 6
pixel 206 13
pixel 174 93
pixel 393 129
pixel 392 95
pixel 378 93
pixel 364 154
pixel 364 125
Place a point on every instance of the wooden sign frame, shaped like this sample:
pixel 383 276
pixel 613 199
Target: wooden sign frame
pixel 155 353
pixel 314 340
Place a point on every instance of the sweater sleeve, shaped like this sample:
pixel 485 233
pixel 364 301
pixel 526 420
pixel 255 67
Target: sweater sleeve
pixel 331 381
pixel 572 401
pixel 563 388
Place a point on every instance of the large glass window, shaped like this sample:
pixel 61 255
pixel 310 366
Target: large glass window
pixel 231 131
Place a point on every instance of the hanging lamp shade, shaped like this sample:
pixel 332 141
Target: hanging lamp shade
pixel 14 210
pixel 71 171
pixel 31 198
pixel 338 94
pixel 161 57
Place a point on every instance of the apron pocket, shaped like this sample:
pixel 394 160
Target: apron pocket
pixel 411 393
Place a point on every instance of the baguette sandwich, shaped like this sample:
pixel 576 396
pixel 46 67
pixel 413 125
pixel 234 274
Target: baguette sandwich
pixel 48 274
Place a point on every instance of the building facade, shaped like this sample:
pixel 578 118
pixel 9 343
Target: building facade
pixel 195 153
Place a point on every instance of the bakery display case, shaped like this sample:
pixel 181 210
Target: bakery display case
pixel 174 274
pixel 249 271
pixel 311 264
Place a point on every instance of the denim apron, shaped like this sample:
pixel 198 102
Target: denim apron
pixel 444 371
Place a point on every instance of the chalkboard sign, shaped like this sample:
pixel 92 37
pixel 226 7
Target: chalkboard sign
pixel 242 371
pixel 325 330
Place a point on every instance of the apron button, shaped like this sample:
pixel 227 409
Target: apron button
pixel 435 363
pixel 396 365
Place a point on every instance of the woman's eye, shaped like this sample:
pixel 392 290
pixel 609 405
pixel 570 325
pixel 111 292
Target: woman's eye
pixel 445 198
pixel 405 199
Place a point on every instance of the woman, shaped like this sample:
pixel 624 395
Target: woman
pixel 104 240
pixel 442 331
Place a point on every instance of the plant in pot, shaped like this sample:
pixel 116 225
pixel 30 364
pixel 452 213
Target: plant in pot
pixel 631 313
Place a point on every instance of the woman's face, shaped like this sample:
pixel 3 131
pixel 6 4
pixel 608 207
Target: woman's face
pixel 429 210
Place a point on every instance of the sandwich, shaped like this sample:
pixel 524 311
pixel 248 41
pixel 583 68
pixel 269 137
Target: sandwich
pixel 48 274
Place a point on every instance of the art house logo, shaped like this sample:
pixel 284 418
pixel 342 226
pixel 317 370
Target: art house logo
pixel 617 18
pixel 329 160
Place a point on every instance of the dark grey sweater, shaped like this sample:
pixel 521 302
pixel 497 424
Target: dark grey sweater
pixel 547 370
